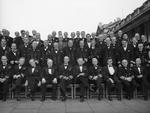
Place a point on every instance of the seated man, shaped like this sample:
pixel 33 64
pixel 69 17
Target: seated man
pixel 95 76
pixel 81 77
pixel 33 75
pixel 139 73
pixel 65 76
pixel 126 76
pixel 19 77
pixel 146 78
pixel 5 75
pixel 110 75
pixel 49 76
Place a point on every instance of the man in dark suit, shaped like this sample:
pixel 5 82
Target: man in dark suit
pixel 95 76
pixel 77 39
pixel 4 49
pixel 46 51
pixel 6 36
pixel 110 75
pixel 35 53
pixel 33 75
pixel 56 55
pixel 126 76
pixel 70 52
pixel 141 53
pixel 125 52
pixel 108 51
pixel 13 55
pixel 139 72
pixel 83 36
pixel 81 77
pixel 49 76
pixel 65 76
pixel 146 78
pixel 19 77
pixel 93 52
pixel 24 50
pixel 19 39
pixel 54 38
pixel 5 76
pixel 119 37
pixel 65 39
pixel 72 35
pixel 81 51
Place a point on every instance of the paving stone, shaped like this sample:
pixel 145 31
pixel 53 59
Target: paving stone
pixel 75 106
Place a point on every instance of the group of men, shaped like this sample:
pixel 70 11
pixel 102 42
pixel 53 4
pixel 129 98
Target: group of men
pixel 116 60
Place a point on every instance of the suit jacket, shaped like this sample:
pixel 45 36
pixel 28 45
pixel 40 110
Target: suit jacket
pixel 137 72
pixel 93 53
pixel 108 52
pixel 24 52
pixel 141 55
pixel 70 52
pixel 45 72
pixel 57 57
pixel 81 53
pixel 35 54
pixel 125 72
pixel 9 40
pixel 45 55
pixel 107 75
pixel 21 71
pixel 18 41
pixel 77 71
pixel 5 72
pixel 93 71
pixel 128 54
pixel 13 57
pixel 4 51
pixel 65 42
pixel 65 72
pixel 36 74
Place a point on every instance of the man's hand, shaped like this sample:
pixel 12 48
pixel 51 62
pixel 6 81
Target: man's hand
pixel 55 81
pixel 122 77
pixel 26 83
pixel 71 77
pixel 95 77
pixel 61 76
pixel 39 84
pixel 100 75
pixel 16 61
pixel 129 79
pixel 2 80
pixel 140 76
pixel 43 81
pixel 12 62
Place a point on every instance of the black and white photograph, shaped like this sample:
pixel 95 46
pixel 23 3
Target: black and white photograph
pixel 74 56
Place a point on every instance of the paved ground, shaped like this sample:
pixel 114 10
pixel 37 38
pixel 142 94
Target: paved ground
pixel 74 106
